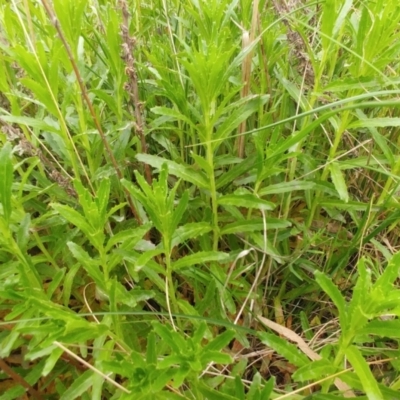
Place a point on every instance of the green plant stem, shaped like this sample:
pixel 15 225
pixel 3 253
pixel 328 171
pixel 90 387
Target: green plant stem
pixel 171 288
pixel 213 192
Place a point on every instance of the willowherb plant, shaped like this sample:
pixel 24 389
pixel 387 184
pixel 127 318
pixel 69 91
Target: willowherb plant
pixel 179 177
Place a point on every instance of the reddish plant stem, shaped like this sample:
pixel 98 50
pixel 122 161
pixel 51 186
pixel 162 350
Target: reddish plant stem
pixel 20 380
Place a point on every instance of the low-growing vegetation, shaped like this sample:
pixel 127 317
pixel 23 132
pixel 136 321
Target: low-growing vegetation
pixel 199 199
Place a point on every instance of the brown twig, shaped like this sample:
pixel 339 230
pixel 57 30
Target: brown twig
pixel 131 86
pixel 89 104
pixel 20 380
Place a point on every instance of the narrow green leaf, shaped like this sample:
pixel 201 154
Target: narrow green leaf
pixel 389 275
pixel 314 371
pixel 375 123
pixel 52 360
pixel 74 218
pixel 268 388
pixel 339 181
pixel 361 368
pixel 28 121
pixel 287 187
pixel 96 236
pixel 102 200
pixel 202 163
pixel 213 394
pixel 173 339
pixel 91 266
pixel 255 388
pixel 220 342
pixel 246 201
pixel 128 238
pixel 333 292
pixel 382 328
pixel 285 349
pixel 254 225
pixel 361 290
pixel 241 168
pixel 186 173
pixel 179 211
pixel 200 258
pixel 23 233
pixel 240 115
pixel 216 357
pixel 6 178
pixel 79 386
pixel 189 231
pixel 151 352
pixel 170 112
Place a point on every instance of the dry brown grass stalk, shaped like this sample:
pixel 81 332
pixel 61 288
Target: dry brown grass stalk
pixel 51 14
pixel 247 40
pixel 131 85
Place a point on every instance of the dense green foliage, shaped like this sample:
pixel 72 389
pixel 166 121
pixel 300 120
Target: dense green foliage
pixel 199 199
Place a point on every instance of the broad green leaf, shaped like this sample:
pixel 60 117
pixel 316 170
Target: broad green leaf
pixel 363 371
pixel 246 201
pixel 186 173
pixel 333 292
pixel 339 181
pixel 200 258
pixel 6 178
pixel 284 348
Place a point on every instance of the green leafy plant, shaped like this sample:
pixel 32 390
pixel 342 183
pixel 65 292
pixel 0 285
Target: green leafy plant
pixel 199 199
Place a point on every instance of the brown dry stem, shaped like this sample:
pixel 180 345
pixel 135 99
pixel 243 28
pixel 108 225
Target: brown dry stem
pixel 131 85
